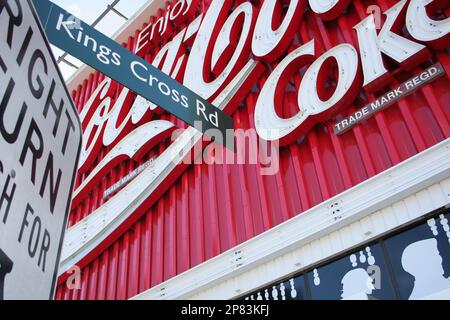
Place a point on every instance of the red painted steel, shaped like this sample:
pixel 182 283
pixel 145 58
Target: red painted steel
pixel 211 209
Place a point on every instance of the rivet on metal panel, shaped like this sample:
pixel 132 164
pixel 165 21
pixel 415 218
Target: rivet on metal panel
pixel 336 210
pixel 368 233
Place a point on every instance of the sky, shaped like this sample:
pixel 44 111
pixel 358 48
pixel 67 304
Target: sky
pixel 88 11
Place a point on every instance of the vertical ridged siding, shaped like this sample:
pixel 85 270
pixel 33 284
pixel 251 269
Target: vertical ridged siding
pixel 213 208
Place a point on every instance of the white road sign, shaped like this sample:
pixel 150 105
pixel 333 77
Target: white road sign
pixel 40 140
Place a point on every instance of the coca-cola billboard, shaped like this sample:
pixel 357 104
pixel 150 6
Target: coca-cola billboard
pixel 288 73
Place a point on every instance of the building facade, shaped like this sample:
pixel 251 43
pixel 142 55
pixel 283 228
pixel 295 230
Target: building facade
pixel 351 197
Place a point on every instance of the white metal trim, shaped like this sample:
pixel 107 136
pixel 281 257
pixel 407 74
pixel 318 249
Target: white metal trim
pixel 386 189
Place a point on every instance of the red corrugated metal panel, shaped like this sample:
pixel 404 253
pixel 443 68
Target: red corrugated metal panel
pixel 212 208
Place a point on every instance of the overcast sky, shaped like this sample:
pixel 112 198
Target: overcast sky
pixel 88 11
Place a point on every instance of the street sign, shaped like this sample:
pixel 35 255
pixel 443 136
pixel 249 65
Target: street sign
pixel 92 47
pixel 40 142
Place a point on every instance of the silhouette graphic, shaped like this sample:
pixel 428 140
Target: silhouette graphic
pixel 356 282
pixel 5 267
pixel 422 260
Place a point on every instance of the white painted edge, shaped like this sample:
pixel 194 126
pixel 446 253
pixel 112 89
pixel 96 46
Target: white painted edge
pixel 390 186
pixel 134 23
